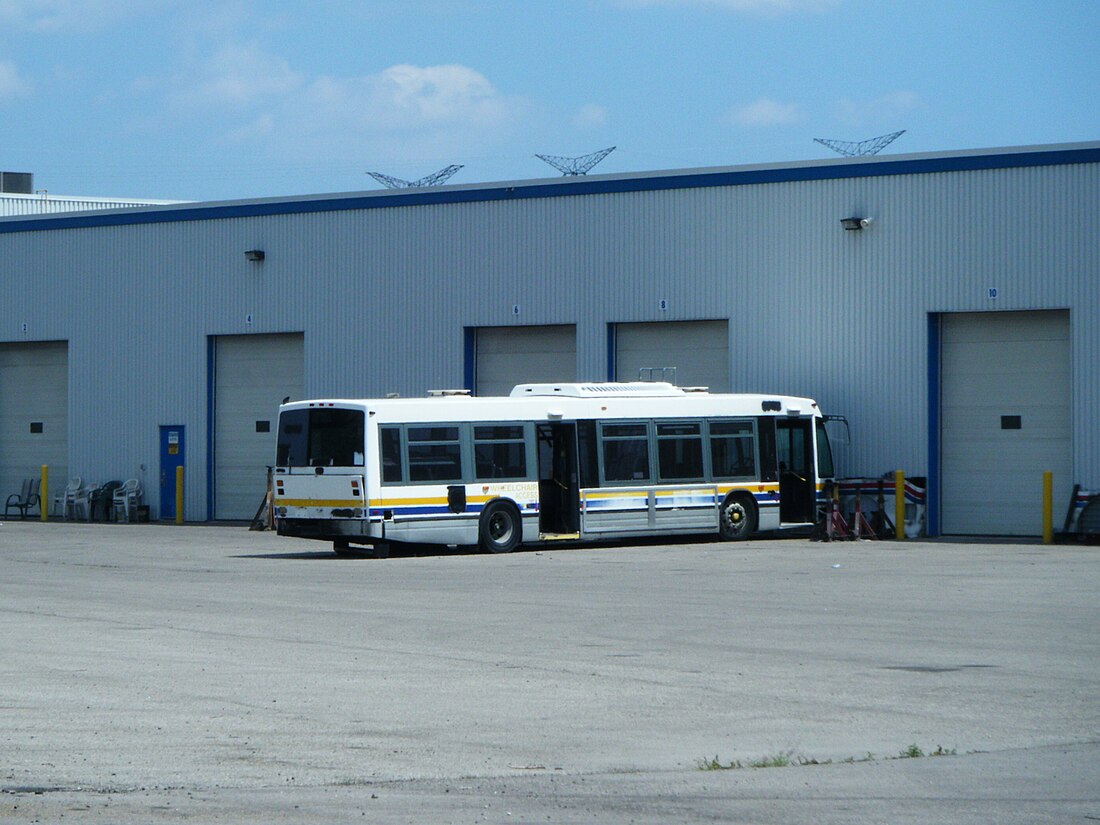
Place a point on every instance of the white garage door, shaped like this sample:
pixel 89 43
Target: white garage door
pixel 1005 418
pixel 34 414
pixel 252 375
pixel 507 356
pixel 695 353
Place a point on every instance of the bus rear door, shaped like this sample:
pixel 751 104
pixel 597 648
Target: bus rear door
pixel 559 489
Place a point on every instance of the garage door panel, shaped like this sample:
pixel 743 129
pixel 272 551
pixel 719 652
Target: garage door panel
pixel 1039 421
pixel 253 373
pixel 993 365
pixel 526 340
pixel 1003 358
pixel 34 388
pixel 1008 470
pixel 698 350
pixel 506 356
pixel 999 328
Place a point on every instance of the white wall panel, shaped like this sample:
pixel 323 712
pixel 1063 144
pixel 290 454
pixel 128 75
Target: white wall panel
pixel 13 204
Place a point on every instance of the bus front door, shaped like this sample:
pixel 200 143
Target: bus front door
pixel 797 483
pixel 559 491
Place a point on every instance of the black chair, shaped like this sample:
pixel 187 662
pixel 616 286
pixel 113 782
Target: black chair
pixel 26 498
pixel 99 502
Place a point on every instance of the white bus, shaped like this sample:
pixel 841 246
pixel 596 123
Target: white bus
pixel 550 462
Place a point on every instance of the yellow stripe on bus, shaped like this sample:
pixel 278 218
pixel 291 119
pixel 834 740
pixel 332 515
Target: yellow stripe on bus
pixel 422 502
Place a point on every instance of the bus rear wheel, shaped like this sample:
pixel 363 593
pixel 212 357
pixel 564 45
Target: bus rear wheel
pixel 500 528
pixel 737 517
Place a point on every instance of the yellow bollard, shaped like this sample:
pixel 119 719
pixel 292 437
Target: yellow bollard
pixel 1048 507
pixel 44 493
pixel 899 504
pixel 179 494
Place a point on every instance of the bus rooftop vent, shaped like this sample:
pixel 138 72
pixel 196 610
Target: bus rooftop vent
pixel 447 393
pixel 599 390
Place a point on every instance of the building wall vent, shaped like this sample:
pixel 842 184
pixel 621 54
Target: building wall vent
pixel 17 183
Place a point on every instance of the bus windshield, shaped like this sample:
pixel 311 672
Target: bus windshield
pixel 320 438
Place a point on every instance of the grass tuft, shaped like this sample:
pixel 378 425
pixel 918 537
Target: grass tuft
pixel 785 759
pixel 779 760
pixel 715 764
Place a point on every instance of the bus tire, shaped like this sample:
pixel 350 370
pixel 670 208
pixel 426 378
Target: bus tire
pixel 500 527
pixel 737 517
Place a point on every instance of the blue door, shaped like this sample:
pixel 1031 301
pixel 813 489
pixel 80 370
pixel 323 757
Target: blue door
pixel 171 457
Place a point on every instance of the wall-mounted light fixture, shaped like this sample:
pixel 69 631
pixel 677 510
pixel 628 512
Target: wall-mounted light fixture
pixel 254 254
pixel 855 223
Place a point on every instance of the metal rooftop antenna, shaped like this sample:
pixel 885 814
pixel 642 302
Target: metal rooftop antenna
pixel 872 146
pixel 576 166
pixel 434 179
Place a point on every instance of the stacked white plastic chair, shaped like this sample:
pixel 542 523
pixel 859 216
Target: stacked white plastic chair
pixel 65 500
pixel 126 499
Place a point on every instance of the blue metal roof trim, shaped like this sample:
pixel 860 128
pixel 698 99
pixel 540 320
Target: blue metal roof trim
pixel 689 180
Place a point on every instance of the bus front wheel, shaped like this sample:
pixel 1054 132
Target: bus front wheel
pixel 737 517
pixel 500 528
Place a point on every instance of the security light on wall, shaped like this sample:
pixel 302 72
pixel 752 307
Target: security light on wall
pixel 254 254
pixel 855 223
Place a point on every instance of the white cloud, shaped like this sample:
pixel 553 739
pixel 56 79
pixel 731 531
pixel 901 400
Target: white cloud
pixel 251 98
pixel 237 75
pixel 434 94
pixel 766 112
pixel 58 15
pixel 590 116
pixel 402 99
pixel 11 84
pixel 862 112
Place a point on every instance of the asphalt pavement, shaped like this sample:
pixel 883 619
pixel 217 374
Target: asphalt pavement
pixel 154 673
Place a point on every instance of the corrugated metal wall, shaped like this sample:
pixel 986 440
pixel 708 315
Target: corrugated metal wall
pixel 384 295
pixel 11 205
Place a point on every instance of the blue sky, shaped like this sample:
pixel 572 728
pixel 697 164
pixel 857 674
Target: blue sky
pixel 202 100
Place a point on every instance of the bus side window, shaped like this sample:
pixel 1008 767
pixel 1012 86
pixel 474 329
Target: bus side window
pixel 680 451
pixel 435 452
pixel 732 449
pixel 500 451
pixel 625 452
pixel 390 451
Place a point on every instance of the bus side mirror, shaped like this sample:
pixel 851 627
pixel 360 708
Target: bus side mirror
pixel 837 428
